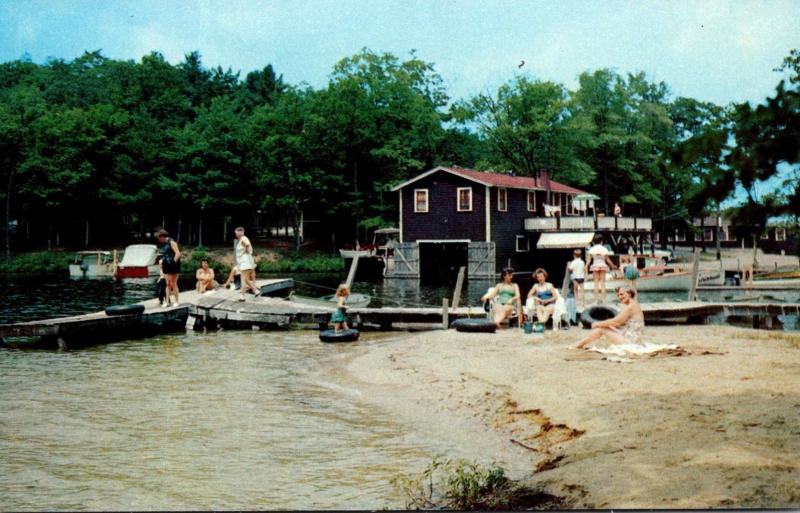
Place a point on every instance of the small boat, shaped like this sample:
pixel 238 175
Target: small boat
pixel 92 264
pixel 139 261
pixel 647 283
pixel 352 301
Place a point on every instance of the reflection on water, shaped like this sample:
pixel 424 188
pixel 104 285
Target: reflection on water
pixel 230 420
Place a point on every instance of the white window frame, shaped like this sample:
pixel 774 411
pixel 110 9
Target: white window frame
pixel 723 234
pixel 531 194
pixel 504 192
pixel 780 234
pixel 458 199
pixel 656 237
pixel 708 234
pixel 416 202
pixel 680 236
pixel 527 244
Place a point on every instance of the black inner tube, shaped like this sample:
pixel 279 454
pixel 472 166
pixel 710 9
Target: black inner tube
pixel 474 325
pixel 597 313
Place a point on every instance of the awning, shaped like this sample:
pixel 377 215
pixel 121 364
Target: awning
pixel 565 240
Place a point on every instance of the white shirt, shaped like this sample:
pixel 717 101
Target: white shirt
pixel 244 257
pixel 576 268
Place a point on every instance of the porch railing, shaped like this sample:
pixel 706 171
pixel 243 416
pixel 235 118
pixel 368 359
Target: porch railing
pixel 541 224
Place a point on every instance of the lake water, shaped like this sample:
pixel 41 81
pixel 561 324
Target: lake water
pixel 228 420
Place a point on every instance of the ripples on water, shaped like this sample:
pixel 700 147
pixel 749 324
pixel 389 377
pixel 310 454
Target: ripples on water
pixel 219 421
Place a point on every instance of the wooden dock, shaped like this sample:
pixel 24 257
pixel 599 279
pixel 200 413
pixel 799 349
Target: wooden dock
pixel 97 327
pixel 276 313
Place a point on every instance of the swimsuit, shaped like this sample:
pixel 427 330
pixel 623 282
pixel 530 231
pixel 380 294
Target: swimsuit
pixel 505 295
pixel 631 331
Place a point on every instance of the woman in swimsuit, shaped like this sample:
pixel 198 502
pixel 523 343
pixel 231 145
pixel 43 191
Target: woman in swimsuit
pixel 544 296
pixel 625 328
pixel 507 294
pixel 599 263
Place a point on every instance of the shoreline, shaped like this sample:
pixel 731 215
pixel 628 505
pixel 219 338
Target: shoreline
pixel 714 424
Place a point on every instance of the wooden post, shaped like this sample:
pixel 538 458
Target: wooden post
pixel 114 264
pixel 445 313
pixel 459 285
pixel 352 274
pixel 62 344
pixel 695 272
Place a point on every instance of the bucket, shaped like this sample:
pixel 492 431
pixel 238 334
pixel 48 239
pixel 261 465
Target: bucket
pixel 538 327
pixel 528 327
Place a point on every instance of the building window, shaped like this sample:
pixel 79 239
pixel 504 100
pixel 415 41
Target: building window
pixel 723 234
pixel 421 200
pixel 570 207
pixel 464 199
pixel 765 235
pixel 680 236
pixel 656 237
pixel 502 199
pixel 698 237
pixel 523 244
pixel 780 234
pixel 708 234
pixel 531 201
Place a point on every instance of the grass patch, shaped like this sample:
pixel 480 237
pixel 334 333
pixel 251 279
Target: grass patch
pixel 39 262
pixel 318 263
pixel 463 485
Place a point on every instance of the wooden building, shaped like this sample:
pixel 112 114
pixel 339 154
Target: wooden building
pixel 778 238
pixel 452 216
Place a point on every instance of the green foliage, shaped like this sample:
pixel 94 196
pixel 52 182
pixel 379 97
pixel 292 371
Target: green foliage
pixel 39 262
pixel 313 264
pixel 463 485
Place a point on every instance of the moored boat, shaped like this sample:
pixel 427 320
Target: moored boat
pixel 352 301
pixel 92 264
pixel 139 261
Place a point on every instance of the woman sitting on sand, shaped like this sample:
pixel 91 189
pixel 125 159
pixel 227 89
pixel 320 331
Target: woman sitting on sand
pixel 507 294
pixel 625 328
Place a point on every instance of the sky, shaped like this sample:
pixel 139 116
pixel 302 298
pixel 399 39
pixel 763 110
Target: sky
pixel 710 50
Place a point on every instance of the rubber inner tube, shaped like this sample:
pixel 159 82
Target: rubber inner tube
pixel 350 335
pixel 597 313
pixel 125 310
pixel 474 325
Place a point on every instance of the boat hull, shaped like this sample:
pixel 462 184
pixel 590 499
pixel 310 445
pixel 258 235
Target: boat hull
pixel 92 271
pixel 353 301
pixel 672 282
pixel 138 271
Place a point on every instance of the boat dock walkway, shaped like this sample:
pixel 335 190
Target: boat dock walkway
pixel 224 309
pixel 271 313
pixel 97 327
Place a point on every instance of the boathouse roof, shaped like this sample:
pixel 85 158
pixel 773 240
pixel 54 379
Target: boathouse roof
pixel 493 179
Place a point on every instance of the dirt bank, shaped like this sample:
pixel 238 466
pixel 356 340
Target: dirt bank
pixel 712 425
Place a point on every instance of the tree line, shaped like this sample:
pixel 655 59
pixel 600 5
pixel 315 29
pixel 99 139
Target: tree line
pixel 99 151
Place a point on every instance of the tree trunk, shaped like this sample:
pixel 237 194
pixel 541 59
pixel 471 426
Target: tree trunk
pixel 224 228
pixel 8 214
pixel 200 231
pixel 296 221
pixel 178 232
pixel 86 234
pixel 49 236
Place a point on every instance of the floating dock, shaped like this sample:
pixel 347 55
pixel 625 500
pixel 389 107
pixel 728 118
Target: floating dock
pixel 98 328
pixel 223 309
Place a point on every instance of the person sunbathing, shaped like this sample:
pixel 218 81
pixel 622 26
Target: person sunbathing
pixel 507 294
pixel 205 277
pixel 625 328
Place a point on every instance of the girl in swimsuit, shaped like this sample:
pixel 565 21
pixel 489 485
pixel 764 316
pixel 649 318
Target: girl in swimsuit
pixel 507 294
pixel 599 263
pixel 625 328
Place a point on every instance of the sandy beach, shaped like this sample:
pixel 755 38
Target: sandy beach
pixel 713 424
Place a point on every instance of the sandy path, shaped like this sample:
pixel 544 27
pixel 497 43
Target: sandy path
pixel 716 426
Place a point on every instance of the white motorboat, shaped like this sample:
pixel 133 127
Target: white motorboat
pixel 352 301
pixel 139 261
pixel 92 264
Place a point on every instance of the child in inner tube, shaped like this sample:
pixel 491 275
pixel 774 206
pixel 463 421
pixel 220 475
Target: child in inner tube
pixel 339 319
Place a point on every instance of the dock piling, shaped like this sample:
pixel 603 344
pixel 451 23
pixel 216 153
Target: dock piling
pixel 445 313
pixel 459 285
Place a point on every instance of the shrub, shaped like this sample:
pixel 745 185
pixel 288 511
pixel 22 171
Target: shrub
pixel 39 262
pixel 459 484
pixel 317 263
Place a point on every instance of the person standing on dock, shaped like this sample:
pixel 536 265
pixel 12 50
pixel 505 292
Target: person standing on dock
pixel 170 264
pixel 246 263
pixel 599 263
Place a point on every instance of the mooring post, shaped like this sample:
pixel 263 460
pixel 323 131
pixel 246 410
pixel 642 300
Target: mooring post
pixel 695 272
pixel 352 274
pixel 62 344
pixel 445 313
pixel 459 284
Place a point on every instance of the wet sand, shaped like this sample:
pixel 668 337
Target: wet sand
pixel 715 424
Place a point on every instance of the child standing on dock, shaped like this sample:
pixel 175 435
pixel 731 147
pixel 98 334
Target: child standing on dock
pixel 338 318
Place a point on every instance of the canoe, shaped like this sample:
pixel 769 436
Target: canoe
pixel 352 301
